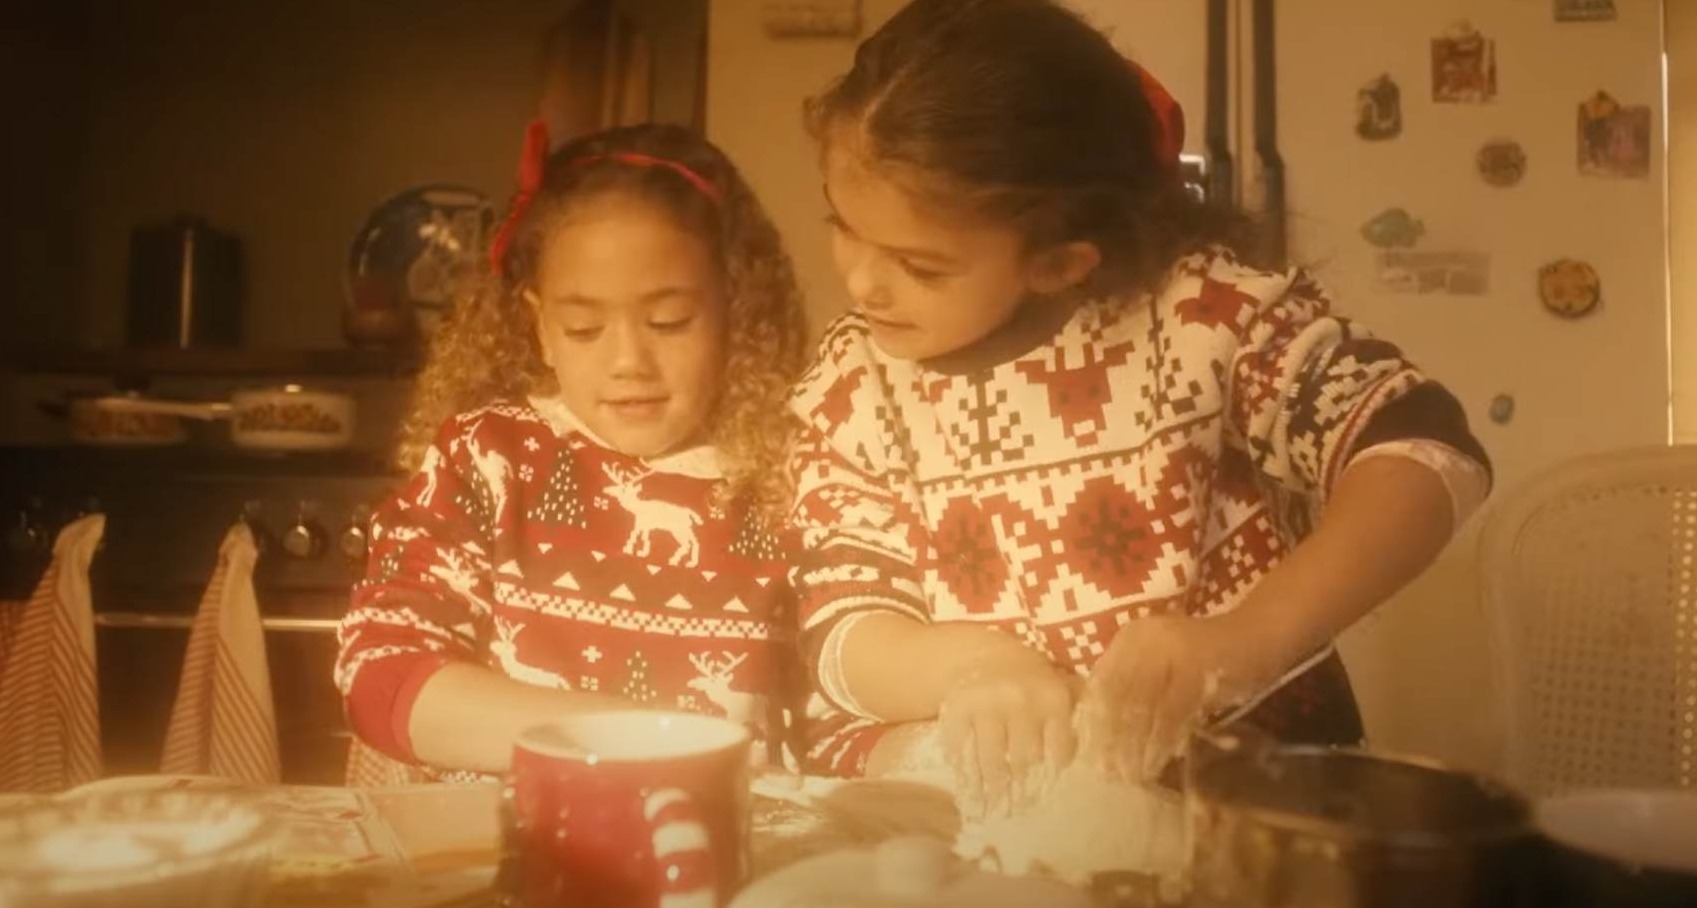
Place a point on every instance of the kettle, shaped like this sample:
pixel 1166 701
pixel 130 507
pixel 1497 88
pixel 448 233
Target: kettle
pixel 185 286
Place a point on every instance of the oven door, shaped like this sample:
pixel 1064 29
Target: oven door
pixel 140 660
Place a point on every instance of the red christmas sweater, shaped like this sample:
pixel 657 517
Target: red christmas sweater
pixel 1144 457
pixel 525 545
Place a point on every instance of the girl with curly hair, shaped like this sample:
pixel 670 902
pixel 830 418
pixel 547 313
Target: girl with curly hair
pixel 1064 462
pixel 598 439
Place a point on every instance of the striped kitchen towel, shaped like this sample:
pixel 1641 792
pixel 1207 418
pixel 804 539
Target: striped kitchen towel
pixel 224 722
pixel 49 697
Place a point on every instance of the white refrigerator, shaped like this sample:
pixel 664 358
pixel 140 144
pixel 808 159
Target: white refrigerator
pixel 1462 292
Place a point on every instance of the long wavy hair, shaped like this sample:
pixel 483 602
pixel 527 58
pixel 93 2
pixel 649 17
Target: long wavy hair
pixel 488 350
pixel 1022 112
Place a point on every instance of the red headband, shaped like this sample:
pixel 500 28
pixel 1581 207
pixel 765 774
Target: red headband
pixel 532 161
pixel 638 159
pixel 1169 117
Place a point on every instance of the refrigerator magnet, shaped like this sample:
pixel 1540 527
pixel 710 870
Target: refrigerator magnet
pixel 1569 288
pixel 1584 10
pixel 1464 66
pixel 1614 139
pixel 1378 110
pixel 1502 409
pixel 1502 162
pixel 1423 272
pixel 1393 228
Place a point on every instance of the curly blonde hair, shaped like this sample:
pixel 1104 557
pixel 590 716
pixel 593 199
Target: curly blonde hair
pixel 488 350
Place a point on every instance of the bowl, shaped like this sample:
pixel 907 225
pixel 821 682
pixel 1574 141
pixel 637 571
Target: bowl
pixel 1632 848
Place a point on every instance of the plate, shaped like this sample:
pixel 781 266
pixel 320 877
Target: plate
pixel 902 872
pixel 161 782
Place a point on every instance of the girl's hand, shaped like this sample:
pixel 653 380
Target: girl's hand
pixel 1158 679
pixel 1002 719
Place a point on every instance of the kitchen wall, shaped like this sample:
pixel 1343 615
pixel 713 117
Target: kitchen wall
pixel 45 99
pixel 1680 24
pixel 755 88
pixel 283 122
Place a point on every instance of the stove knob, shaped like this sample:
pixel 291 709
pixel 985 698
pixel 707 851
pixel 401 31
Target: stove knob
pixel 303 540
pixel 353 540
pixel 25 536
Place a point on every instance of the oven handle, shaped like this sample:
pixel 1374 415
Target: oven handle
pixel 140 619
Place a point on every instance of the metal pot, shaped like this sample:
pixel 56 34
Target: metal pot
pixel 185 286
pixel 286 418
pixel 1281 827
pixel 113 420
pixel 292 418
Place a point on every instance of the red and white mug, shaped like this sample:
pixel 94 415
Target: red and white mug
pixel 626 809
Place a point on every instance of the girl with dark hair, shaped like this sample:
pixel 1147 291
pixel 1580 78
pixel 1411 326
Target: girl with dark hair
pixel 1075 471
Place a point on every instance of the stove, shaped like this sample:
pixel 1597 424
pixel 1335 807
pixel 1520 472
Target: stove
pixel 167 511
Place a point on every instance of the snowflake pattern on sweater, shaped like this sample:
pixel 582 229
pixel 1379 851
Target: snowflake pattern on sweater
pixel 1144 460
pixel 525 545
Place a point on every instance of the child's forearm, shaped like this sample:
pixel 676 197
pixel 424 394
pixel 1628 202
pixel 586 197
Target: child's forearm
pixel 466 716
pixel 1387 520
pixel 898 669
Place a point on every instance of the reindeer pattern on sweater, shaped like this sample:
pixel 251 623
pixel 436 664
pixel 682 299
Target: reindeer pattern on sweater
pixel 524 545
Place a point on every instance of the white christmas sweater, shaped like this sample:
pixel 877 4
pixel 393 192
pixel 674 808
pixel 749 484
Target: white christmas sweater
pixel 1145 457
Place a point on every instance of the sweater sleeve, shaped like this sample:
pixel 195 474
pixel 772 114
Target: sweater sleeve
pixel 1308 390
pixel 854 522
pixel 426 586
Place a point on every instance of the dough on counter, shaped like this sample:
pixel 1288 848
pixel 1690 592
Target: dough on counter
pixel 1083 824
pixel 1070 825
pixel 881 809
pixel 819 816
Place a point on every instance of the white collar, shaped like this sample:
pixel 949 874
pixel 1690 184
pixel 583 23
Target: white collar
pixel 699 462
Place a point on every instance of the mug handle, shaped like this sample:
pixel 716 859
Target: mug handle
pixel 683 854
